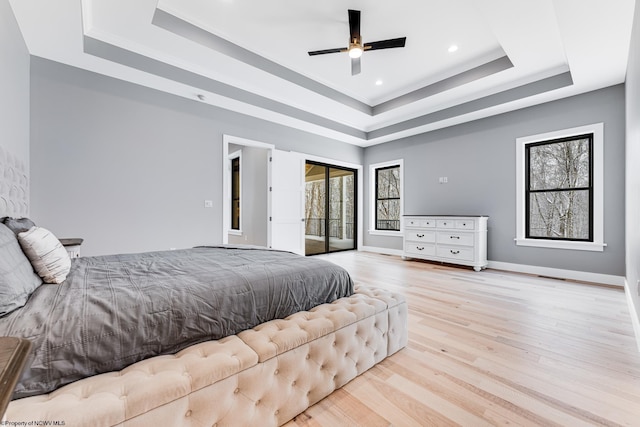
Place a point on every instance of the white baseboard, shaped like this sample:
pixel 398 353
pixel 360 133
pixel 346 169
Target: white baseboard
pixel 606 279
pixel 634 314
pixel 385 251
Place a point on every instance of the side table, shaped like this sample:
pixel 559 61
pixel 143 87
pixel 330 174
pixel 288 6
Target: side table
pixel 72 246
pixel 13 356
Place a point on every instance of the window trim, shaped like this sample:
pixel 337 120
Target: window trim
pixel 597 244
pixel 233 156
pixel 372 197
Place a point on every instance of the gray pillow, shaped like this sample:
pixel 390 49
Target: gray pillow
pixel 18 225
pixel 17 278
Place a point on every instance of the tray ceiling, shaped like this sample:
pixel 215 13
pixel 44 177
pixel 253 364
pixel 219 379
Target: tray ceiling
pixel 251 56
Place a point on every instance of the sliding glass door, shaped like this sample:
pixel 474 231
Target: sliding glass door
pixel 330 208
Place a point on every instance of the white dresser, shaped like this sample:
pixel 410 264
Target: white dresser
pixel 447 238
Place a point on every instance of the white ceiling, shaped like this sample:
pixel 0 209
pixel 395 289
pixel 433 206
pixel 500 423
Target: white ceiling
pixel 251 56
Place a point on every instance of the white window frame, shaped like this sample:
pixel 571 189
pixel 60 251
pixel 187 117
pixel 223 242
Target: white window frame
pixel 372 198
pixel 235 155
pixel 598 244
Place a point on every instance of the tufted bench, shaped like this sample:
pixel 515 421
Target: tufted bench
pixel 263 376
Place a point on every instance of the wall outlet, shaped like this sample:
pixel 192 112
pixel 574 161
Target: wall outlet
pixel 443 180
pixel 208 203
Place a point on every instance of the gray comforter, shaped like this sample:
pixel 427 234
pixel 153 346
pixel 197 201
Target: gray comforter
pixel 115 310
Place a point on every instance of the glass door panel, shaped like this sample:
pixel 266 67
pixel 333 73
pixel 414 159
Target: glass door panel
pixel 315 208
pixel 341 209
pixel 330 209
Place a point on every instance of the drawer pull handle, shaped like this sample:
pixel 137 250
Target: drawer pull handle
pixel 454 252
pixel 420 236
pixel 454 237
pixel 420 248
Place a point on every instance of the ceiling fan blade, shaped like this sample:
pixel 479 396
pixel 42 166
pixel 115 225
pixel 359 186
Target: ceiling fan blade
pixel 355 43
pixel 354 25
pixel 385 44
pixel 325 51
pixel 355 66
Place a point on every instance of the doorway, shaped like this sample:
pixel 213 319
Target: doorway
pixel 245 191
pixel 330 208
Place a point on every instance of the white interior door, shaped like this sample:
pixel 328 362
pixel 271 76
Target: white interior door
pixel 287 201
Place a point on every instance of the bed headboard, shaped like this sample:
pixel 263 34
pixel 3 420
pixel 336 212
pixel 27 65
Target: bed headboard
pixel 14 185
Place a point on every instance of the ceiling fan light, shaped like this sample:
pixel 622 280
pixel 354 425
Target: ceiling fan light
pixel 355 52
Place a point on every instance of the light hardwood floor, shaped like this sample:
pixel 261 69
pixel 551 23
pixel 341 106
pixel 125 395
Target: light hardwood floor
pixel 492 348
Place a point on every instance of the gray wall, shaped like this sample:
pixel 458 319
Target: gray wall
pixel 14 86
pixel 253 195
pixel 479 160
pixel 127 168
pixel 633 171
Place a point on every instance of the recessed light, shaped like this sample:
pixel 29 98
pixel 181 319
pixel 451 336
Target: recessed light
pixel 453 48
pixel 379 82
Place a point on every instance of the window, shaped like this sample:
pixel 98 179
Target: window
pixel 235 191
pixel 560 189
pixel 386 197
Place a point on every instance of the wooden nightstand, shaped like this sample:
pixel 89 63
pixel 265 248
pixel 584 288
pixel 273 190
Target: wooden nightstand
pixel 72 246
pixel 13 356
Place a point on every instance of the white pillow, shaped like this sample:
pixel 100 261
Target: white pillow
pixel 47 255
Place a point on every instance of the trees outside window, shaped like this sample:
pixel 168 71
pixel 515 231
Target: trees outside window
pixel 341 206
pixel 387 192
pixel 559 189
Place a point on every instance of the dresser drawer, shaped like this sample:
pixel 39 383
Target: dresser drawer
pixel 454 238
pixel 420 223
pixel 455 253
pixel 445 223
pixel 419 249
pixel 420 236
pixel 464 224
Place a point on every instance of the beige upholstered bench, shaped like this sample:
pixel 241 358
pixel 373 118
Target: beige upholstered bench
pixel 264 376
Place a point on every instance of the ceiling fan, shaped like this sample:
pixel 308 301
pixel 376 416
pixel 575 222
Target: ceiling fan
pixel 356 48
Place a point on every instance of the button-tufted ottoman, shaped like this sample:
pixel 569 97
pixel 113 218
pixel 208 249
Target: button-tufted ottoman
pixel 263 376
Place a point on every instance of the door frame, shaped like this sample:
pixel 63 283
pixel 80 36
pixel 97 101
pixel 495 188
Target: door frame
pixel 359 189
pixel 356 229
pixel 226 182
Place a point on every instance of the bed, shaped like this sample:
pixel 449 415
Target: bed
pixel 127 339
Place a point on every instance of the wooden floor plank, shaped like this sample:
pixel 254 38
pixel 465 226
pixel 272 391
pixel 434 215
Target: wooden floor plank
pixel 492 348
